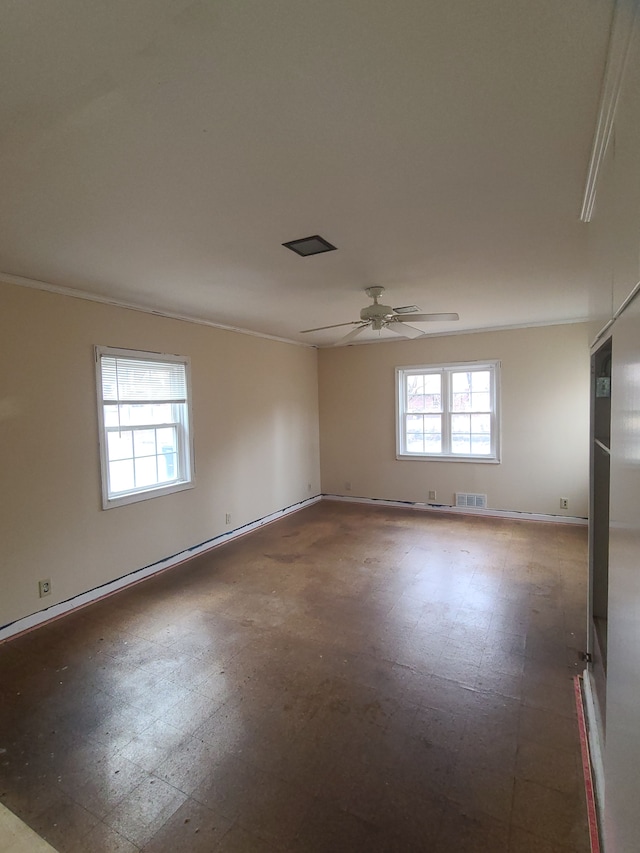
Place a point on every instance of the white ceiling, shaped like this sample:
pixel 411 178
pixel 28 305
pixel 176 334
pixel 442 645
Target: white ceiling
pixel 160 151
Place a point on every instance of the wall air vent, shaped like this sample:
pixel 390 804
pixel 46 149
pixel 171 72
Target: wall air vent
pixel 468 500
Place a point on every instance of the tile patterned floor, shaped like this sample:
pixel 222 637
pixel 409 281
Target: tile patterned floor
pixel 346 679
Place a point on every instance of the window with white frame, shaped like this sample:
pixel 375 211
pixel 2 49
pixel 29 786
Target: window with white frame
pixel 448 411
pixel 146 449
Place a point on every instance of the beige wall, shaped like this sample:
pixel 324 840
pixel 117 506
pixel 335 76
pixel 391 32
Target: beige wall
pixel 545 416
pixel 255 413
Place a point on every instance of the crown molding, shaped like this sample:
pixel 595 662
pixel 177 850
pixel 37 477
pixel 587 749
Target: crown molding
pixel 622 25
pixel 36 284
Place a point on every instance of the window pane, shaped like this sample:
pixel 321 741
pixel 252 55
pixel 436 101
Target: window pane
pixel 433 403
pixel 121 476
pixel 111 416
pixel 144 442
pixel 146 472
pixel 461 423
pixel 481 444
pixel 424 403
pixel 481 423
pixel 461 402
pixel 119 445
pixel 461 383
pixel 433 443
pixel 139 415
pixel 415 434
pixel 460 433
pixel 424 434
pixel 432 383
pixel 415 403
pixel 415 384
pixel 460 443
pixel 432 424
pixel 167 467
pixel 481 381
pixel 415 443
pixel 481 402
pixel 166 439
pixel 424 393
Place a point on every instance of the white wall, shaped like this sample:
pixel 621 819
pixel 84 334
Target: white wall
pixel 545 416
pixel 255 421
pixel 615 263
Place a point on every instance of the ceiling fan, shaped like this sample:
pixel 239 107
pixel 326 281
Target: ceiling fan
pixel 379 317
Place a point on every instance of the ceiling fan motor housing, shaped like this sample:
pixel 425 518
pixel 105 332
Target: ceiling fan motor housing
pixel 376 312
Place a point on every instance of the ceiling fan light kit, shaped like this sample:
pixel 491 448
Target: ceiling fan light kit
pixel 380 317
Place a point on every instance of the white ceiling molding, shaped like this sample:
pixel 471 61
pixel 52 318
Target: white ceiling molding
pixel 623 21
pixel 34 284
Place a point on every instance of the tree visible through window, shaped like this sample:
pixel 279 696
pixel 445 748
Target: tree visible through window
pixel 448 411
pixel 144 424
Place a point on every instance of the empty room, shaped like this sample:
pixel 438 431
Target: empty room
pixel 319 426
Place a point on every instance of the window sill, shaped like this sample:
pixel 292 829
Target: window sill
pixel 147 494
pixel 425 457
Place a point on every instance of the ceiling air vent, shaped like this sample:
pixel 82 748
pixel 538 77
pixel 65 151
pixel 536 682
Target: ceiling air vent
pixel 466 499
pixel 306 246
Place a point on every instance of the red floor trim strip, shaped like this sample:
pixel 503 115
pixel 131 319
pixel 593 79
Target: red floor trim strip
pixel 592 815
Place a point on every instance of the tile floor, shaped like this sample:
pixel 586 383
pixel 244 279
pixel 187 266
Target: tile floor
pixel 347 679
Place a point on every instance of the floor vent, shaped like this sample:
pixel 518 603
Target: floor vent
pixel 465 499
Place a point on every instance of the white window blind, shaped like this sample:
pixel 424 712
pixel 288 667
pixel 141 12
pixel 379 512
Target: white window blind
pixel 133 380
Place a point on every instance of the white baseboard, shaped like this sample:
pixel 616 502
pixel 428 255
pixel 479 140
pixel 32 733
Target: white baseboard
pixel 492 513
pixel 595 732
pixel 84 598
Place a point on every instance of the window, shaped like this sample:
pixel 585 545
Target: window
pixel 448 411
pixel 145 437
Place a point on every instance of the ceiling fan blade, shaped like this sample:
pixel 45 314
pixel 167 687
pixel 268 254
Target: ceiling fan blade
pixel 405 330
pixel 335 326
pixel 351 335
pixel 426 318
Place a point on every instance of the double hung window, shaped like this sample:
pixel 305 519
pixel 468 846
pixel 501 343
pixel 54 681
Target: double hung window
pixel 145 436
pixel 448 411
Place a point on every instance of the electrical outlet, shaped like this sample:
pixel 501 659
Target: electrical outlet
pixel 44 587
pixel 227 518
pixel 347 486
pixel 432 494
pixel 564 503
pixel 308 487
